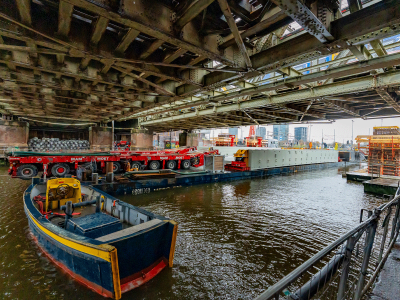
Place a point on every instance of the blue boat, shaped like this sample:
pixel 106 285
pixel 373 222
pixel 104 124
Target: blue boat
pixel 104 243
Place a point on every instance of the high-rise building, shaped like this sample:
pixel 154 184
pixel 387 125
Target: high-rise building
pixel 261 131
pixel 233 131
pixel 281 132
pixel 300 133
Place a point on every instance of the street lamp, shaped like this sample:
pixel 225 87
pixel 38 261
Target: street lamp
pixel 352 122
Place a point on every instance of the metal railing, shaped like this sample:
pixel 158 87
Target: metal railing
pixel 348 267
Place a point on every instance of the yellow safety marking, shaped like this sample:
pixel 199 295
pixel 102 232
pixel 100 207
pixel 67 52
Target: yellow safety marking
pixel 103 254
pixel 102 202
pixel 173 242
pixel 115 273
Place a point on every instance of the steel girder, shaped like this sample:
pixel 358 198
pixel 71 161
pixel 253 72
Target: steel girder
pixel 389 98
pixel 383 19
pixel 318 92
pixel 300 13
pixel 340 71
pixel 117 58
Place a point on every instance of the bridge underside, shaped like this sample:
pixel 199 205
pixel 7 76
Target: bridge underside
pixel 199 64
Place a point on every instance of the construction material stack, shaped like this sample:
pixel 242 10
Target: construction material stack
pixel 225 139
pixel 254 141
pixel 55 144
pixel 384 151
pixel 214 163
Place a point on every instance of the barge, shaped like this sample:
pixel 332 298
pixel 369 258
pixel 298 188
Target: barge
pixel 102 242
pixel 187 178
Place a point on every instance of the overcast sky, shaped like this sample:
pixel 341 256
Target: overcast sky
pixel 340 128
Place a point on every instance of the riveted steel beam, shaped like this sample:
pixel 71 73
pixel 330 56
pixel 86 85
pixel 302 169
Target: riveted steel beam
pixel 383 19
pixel 24 8
pixel 275 20
pixel 354 5
pixel 223 4
pixel 361 52
pixel 191 12
pixel 128 38
pixel 65 11
pixel 301 112
pixel 317 92
pixel 390 99
pixel 378 47
pixel 149 30
pixel 171 57
pixel 341 106
pixel 99 29
pixel 341 71
pixel 300 13
pixel 152 48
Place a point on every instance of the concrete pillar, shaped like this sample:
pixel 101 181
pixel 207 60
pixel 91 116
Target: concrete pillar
pixel 141 139
pixel 100 138
pixel 14 134
pixel 193 139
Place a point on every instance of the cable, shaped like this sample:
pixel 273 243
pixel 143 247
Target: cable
pixel 54 123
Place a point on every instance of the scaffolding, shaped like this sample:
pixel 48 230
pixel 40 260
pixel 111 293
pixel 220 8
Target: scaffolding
pixel 225 139
pixel 254 141
pixel 387 130
pixel 384 154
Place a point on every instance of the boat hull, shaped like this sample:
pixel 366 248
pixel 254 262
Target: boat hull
pixel 141 254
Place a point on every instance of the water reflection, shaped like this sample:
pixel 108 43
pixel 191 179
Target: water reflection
pixel 235 238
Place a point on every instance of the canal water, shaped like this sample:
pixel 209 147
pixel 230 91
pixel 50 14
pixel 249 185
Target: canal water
pixel 234 238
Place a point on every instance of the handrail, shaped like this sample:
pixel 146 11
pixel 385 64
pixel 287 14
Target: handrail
pixel 273 291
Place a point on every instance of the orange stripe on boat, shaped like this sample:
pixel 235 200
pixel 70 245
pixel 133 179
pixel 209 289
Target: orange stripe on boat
pixel 95 287
pixel 146 277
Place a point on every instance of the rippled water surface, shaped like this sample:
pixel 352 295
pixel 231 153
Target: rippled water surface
pixel 234 239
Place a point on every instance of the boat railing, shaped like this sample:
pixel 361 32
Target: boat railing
pixel 347 268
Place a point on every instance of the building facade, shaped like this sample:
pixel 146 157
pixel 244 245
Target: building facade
pixel 262 132
pixel 281 132
pixel 233 131
pixel 300 133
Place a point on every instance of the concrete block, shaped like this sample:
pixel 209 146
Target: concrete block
pixel 141 139
pixel 193 139
pixel 14 134
pixel 100 138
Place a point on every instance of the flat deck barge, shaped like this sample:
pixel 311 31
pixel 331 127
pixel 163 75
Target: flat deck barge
pixel 137 187
pixel 387 185
pixel 375 183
